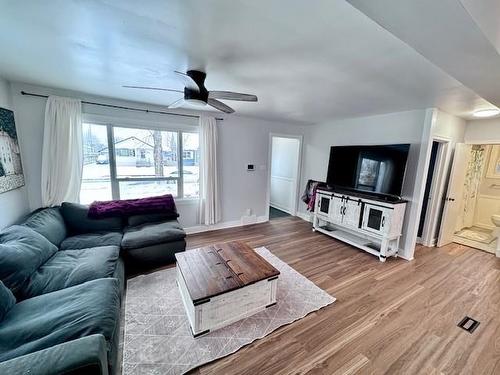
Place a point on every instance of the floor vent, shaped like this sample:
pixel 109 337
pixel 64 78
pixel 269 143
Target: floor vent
pixel 468 324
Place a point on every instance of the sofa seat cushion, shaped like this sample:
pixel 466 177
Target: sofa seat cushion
pixel 7 300
pixel 53 318
pixel 69 268
pixel 76 217
pixel 49 223
pixel 152 234
pixel 88 240
pixel 22 252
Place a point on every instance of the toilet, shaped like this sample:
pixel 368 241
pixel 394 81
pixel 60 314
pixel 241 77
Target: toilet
pixel 496 232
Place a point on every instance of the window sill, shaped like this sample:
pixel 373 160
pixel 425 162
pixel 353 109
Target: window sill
pixel 187 201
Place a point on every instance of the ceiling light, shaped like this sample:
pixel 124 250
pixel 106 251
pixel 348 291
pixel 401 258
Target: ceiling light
pixel 486 112
pixel 196 102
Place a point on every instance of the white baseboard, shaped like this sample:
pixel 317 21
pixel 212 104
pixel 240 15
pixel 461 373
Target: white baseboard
pixel 306 216
pixel 226 224
pixel 405 258
pixel 278 207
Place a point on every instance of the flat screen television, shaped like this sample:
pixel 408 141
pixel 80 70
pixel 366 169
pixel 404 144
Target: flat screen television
pixel 377 170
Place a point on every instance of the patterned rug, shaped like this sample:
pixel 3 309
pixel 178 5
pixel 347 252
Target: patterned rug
pixel 157 336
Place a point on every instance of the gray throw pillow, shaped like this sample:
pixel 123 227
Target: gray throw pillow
pixel 7 300
pixel 49 223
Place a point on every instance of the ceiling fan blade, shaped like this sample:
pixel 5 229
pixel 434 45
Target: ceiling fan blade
pixel 229 95
pixel 178 103
pixel 151 88
pixel 188 81
pixel 219 105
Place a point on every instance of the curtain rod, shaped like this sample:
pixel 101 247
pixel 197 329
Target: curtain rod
pixel 123 107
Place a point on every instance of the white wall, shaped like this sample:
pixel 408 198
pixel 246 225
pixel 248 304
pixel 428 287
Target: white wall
pixel 241 141
pixel 402 127
pixel 483 131
pixel 13 203
pixel 245 141
pixel 449 127
pixel 284 161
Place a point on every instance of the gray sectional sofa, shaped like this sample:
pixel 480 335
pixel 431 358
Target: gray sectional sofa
pixel 62 280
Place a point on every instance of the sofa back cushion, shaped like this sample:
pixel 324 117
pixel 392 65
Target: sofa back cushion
pixel 7 300
pixel 49 223
pixel 137 220
pixel 22 251
pixel 76 218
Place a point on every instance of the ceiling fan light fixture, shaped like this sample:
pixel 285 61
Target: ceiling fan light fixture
pixel 196 94
pixel 196 102
pixel 483 113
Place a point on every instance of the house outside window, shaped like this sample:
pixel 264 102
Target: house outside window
pixel 127 163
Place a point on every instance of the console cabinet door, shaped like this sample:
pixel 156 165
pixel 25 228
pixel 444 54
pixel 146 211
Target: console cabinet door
pixel 336 210
pixel 352 212
pixel 377 219
pixel 323 202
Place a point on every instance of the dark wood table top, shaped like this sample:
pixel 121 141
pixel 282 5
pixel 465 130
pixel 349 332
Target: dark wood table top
pixel 216 269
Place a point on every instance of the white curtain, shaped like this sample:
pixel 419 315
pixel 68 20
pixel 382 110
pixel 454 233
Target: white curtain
pixel 62 156
pixel 209 190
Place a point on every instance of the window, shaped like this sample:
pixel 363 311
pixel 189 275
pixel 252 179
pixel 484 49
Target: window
pixel 191 164
pixel 140 163
pixel 96 176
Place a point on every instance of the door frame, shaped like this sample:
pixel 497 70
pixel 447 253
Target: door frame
pixel 300 138
pixel 454 193
pixel 439 180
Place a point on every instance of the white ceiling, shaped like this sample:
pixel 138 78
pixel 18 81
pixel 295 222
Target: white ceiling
pixel 446 34
pixel 307 61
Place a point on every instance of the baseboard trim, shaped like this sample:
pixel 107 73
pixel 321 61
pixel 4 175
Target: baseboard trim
pixel 306 216
pixel 278 207
pixel 405 258
pixel 224 225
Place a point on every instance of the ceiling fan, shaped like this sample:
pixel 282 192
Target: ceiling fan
pixel 195 92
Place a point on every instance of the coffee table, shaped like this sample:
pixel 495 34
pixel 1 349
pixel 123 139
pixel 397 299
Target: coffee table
pixel 223 283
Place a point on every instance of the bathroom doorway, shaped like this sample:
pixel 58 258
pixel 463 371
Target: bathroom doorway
pixel 472 204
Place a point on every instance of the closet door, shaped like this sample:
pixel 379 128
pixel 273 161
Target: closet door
pixel 454 194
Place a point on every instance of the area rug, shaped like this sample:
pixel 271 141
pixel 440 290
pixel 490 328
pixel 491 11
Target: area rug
pixel 158 339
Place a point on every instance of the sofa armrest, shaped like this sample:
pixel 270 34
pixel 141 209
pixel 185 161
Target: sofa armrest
pixel 86 355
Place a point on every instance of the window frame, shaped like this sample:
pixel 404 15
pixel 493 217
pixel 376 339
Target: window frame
pixel 115 180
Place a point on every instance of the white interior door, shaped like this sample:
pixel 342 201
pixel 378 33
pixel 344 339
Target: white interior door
pixel 454 194
pixel 437 194
pixel 285 158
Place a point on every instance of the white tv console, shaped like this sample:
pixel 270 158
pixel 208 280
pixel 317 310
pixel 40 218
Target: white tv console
pixel 370 224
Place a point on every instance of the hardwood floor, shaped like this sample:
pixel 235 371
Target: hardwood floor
pixel 396 317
